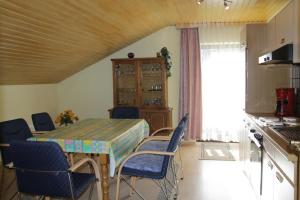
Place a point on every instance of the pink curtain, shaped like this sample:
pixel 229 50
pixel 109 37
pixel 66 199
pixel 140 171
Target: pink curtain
pixel 190 82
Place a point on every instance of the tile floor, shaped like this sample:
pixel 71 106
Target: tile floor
pixel 203 180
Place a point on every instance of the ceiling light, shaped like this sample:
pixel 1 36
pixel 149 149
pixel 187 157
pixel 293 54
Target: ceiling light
pixel 226 4
pixel 199 2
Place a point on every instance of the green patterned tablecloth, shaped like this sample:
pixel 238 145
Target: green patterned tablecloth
pixel 116 137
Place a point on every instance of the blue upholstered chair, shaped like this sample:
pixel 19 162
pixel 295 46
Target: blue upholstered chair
pixel 42 122
pixel 12 130
pixel 151 164
pixel 160 143
pixel 125 113
pixel 43 170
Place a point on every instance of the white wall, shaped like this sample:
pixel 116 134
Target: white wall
pixel 90 92
pixel 20 101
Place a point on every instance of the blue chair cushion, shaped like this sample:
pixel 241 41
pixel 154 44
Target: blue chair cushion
pixel 125 113
pixel 145 165
pixel 81 181
pixel 154 145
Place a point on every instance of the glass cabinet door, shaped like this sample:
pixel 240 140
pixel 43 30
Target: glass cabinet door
pixel 152 84
pixel 126 84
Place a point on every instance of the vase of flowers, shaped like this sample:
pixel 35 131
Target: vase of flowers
pixel 66 117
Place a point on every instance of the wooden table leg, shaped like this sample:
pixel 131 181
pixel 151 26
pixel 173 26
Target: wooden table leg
pixel 103 158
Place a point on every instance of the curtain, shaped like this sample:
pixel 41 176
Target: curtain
pixel 190 82
pixel 223 81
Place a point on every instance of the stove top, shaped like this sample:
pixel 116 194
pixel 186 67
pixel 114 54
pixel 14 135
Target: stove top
pixel 289 133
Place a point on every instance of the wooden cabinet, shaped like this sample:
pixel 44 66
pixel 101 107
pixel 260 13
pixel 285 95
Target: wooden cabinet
pixel 157 118
pixel 142 82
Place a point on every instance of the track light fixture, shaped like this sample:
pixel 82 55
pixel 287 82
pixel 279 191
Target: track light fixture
pixel 200 1
pixel 226 3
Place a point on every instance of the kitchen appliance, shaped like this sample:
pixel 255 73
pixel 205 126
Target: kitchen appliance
pixel 283 55
pixel 254 168
pixel 285 105
pixel 290 135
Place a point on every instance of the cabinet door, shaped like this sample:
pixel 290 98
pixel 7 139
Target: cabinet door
pixel 296 41
pixel 153 84
pixel 271 36
pixel 267 178
pixel 283 190
pixel 242 146
pixel 125 83
pixel 285 25
pixel 157 118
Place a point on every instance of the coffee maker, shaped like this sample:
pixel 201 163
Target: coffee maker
pixel 285 105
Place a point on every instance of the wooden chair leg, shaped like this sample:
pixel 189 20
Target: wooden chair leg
pixel 2 182
pixel 71 158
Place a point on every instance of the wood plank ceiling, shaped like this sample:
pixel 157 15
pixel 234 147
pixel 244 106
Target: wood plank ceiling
pixel 46 41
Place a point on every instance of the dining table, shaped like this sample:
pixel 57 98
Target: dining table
pixel 111 139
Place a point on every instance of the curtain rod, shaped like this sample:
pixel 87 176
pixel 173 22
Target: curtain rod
pixel 195 25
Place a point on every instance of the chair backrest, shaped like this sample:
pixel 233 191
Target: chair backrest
pixel 42 122
pixel 125 113
pixel 12 130
pixel 173 145
pixel 185 120
pixel 41 169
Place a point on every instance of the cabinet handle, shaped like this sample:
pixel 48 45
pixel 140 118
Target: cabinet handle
pixel 279 177
pixel 270 164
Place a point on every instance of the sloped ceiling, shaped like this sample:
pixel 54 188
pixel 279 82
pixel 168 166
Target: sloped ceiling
pixel 46 41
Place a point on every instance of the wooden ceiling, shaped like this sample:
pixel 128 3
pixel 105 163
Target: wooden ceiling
pixel 46 41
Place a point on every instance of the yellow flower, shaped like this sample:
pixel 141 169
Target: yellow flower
pixel 66 117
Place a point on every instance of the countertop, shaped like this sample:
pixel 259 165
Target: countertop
pixel 274 137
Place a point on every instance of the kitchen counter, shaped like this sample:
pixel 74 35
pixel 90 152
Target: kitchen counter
pixel 278 163
pixel 291 151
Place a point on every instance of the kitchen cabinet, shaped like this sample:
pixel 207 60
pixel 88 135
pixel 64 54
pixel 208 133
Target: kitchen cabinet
pixel 244 148
pixel 284 26
pixel 284 29
pixel 280 29
pixel 261 82
pixel 296 42
pixel 275 185
pixel 279 178
pixel 270 35
pixel 283 190
pixel 142 82
pixel 268 179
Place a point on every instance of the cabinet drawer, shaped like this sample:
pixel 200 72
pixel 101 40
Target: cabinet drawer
pixel 280 159
pixel 286 166
pixel 282 188
pixel 270 149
